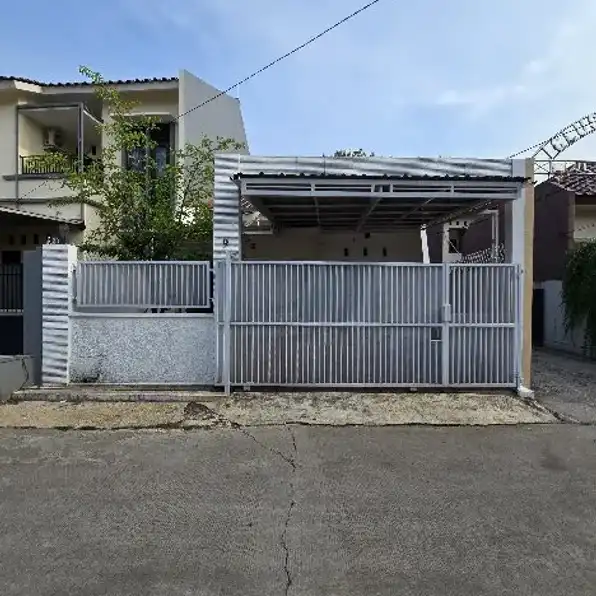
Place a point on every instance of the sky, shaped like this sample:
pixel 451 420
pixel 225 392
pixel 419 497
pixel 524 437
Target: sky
pixel 425 78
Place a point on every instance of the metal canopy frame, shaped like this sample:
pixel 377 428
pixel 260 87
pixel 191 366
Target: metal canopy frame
pixel 368 203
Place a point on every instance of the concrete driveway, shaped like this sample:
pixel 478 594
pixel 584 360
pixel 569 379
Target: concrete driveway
pixel 566 385
pixel 299 510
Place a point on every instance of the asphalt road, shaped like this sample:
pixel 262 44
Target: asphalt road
pixel 346 511
pixel 566 385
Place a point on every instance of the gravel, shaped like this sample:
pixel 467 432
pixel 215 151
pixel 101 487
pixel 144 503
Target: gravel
pixel 566 384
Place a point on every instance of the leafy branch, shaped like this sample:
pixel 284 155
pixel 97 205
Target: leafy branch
pixel 352 153
pixel 149 209
pixel 579 293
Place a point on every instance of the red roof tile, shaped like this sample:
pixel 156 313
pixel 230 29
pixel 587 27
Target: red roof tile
pixel 579 179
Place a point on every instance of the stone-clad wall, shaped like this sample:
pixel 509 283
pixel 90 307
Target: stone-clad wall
pixel 141 348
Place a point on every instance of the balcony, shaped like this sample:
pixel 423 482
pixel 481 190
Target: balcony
pixel 51 141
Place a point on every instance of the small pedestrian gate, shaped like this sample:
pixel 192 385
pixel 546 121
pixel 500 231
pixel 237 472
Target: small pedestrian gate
pixel 317 324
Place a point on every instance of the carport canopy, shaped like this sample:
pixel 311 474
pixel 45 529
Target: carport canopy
pixel 369 203
pixel 11 216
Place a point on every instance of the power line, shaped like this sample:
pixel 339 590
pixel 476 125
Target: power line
pixel 489 204
pixel 262 69
pixel 535 146
pixel 287 55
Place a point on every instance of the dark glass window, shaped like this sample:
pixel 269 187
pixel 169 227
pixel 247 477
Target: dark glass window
pixel 136 159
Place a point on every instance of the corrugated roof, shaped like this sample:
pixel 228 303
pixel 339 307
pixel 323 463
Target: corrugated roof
pixel 579 179
pixel 457 178
pixel 33 215
pixel 88 83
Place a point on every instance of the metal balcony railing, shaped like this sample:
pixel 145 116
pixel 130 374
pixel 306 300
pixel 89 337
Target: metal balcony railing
pixel 47 164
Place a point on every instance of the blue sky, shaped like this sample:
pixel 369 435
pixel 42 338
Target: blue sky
pixel 460 78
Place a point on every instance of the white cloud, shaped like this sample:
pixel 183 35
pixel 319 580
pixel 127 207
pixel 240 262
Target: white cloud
pixel 550 90
pixel 490 76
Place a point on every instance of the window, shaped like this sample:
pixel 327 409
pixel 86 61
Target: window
pixel 136 159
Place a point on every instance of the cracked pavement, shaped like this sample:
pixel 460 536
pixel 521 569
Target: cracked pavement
pixel 299 511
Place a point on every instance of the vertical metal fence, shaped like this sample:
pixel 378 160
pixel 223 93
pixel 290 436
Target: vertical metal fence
pixel 146 285
pixel 366 325
pixel 484 329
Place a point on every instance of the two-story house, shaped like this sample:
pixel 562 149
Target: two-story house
pixel 37 118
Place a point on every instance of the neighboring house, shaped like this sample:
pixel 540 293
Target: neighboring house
pixel 565 213
pixel 37 117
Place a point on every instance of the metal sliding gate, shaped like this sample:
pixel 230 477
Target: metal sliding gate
pixel 318 324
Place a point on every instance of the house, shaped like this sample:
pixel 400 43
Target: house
pixel 290 307
pixel 335 290
pixel 565 215
pixel 37 117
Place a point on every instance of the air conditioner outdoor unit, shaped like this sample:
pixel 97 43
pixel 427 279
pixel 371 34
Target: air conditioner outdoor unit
pixel 52 139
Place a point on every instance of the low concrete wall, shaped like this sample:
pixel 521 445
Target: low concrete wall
pixel 16 372
pixel 143 348
pixel 555 336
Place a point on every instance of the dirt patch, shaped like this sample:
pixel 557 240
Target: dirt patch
pixel 263 409
pixel 254 409
pixel 91 415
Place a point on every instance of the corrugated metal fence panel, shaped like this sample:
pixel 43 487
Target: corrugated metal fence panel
pixel 226 207
pixel 57 262
pixel 226 215
pixel 367 325
pixel 151 284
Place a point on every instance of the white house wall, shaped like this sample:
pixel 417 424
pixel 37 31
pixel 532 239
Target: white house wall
pixel 306 244
pixel 226 215
pixel 7 145
pixel 555 335
pixel 585 222
pixel 221 117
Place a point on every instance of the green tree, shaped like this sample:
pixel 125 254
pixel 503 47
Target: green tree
pixel 579 293
pixel 151 211
pixel 352 153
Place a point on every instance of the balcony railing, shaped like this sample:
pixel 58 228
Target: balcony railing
pixel 47 164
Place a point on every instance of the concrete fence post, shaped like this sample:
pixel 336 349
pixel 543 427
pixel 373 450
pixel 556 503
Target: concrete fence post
pixel 58 262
